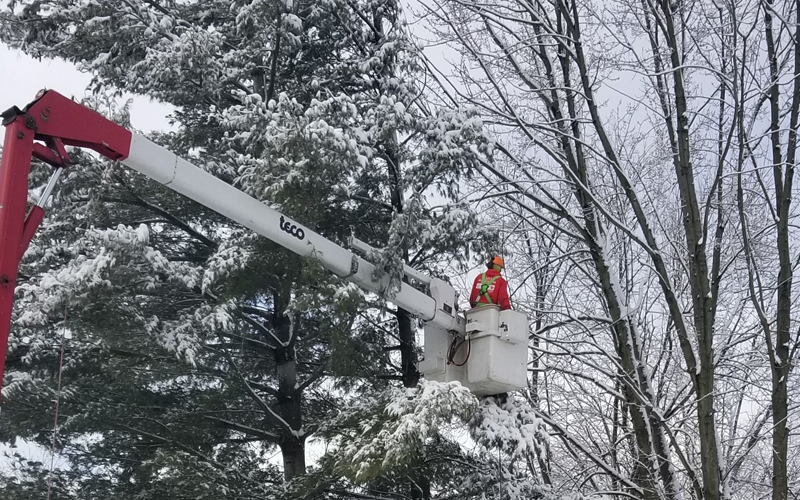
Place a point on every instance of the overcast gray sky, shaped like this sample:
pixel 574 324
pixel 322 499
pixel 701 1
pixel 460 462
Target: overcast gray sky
pixel 22 76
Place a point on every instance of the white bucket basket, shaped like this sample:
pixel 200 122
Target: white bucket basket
pixel 498 358
pixel 496 353
pixel 483 319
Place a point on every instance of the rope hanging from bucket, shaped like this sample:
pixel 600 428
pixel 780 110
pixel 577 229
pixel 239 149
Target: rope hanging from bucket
pixel 58 399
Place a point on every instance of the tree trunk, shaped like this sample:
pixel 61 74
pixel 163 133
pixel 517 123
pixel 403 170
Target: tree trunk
pixel 276 54
pixel 703 300
pixel 293 451
pixel 408 354
pixel 421 484
pixel 290 409
pixel 405 323
pixel 781 362
pixel 542 278
pixel 780 436
pixel 780 355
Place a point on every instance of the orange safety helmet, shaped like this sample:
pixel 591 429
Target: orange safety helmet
pixel 496 261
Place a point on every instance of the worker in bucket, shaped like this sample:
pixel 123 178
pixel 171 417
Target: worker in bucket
pixel 490 287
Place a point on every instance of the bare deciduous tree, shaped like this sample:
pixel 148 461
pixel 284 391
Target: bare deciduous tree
pixel 625 133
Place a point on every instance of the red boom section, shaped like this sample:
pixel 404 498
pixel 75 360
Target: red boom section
pixel 14 168
pixel 56 121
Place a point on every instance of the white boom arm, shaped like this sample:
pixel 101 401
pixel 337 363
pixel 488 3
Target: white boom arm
pixel 165 167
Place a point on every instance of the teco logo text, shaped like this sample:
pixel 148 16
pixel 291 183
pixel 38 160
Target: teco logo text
pixel 290 228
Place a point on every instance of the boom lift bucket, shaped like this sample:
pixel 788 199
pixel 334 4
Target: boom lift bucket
pixel 487 353
pixel 491 357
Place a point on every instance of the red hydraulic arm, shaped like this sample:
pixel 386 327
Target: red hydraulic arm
pixel 54 121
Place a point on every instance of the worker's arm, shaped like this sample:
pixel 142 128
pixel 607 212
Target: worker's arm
pixel 474 293
pixel 503 300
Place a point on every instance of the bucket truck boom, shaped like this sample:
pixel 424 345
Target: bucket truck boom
pixel 56 121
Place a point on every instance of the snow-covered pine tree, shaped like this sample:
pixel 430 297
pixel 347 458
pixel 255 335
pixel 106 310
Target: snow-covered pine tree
pixel 473 448
pixel 195 348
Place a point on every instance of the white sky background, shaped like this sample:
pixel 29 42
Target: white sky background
pixel 22 77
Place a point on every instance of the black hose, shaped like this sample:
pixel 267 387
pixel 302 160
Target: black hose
pixel 455 345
